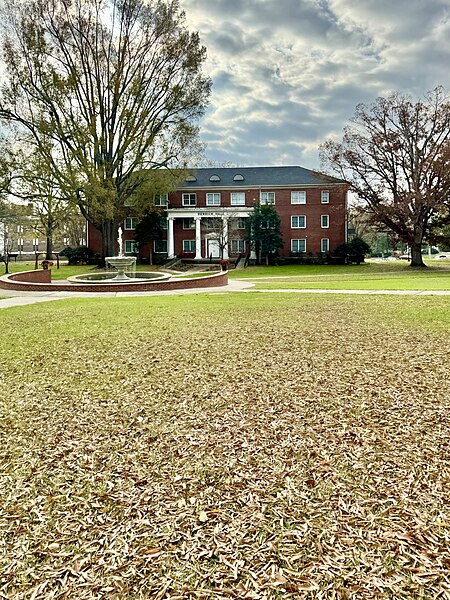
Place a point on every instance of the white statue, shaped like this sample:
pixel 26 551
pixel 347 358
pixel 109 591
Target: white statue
pixel 119 239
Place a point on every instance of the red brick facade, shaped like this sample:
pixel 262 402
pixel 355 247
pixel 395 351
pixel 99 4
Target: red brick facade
pixel 304 208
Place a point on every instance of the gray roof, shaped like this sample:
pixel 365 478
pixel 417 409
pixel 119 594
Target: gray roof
pixel 257 176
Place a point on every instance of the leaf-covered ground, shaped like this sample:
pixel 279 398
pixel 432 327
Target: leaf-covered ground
pixel 225 446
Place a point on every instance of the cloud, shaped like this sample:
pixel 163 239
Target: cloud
pixel 287 74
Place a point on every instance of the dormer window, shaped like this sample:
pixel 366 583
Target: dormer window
pixel 238 177
pixel 214 178
pixel 191 178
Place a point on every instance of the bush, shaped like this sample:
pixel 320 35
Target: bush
pixel 81 255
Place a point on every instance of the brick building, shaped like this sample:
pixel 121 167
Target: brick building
pixel 206 214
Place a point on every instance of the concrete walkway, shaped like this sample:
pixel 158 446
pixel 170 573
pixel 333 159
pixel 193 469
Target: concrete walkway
pixel 10 298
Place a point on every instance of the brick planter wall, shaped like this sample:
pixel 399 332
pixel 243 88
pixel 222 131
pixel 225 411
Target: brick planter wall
pixel 40 276
pixel 40 281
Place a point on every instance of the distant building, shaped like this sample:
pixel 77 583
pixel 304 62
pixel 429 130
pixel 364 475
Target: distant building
pixel 206 215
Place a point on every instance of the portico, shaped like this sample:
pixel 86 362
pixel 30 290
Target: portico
pixel 217 238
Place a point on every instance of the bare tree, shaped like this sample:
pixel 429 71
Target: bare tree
pixel 396 156
pixel 223 228
pixel 117 87
pixel 8 227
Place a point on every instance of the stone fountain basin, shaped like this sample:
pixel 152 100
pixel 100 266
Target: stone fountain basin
pixel 110 278
pixel 121 262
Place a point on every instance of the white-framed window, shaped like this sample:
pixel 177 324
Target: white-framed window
pixel 267 198
pixel 325 221
pixel 130 247
pixel 130 223
pixel 213 199
pixel 189 223
pixel 298 246
pixel 237 198
pixel 298 197
pixel 160 199
pixel 160 246
pixel 19 228
pixel 325 245
pixel 237 246
pixel 66 241
pixel 325 197
pixel 20 245
pixel 189 199
pixel 212 223
pixel 35 244
pixel 188 245
pixel 238 223
pixel 298 222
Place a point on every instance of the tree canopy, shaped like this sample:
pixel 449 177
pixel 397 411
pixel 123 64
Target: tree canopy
pixel 264 231
pixel 115 86
pixel 396 155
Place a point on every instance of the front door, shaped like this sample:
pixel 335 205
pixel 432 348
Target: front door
pixel 213 249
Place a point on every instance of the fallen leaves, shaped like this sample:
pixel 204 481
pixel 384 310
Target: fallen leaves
pixel 280 448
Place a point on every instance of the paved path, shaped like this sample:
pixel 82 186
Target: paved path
pixel 16 298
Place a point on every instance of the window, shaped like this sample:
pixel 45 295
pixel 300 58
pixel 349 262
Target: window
pixel 325 197
pixel 324 245
pixel 130 247
pixel 188 245
pixel 237 246
pixel 160 199
pixel 267 198
pixel 191 178
pixel 238 223
pixel 213 199
pixel 189 199
pixel 325 221
pixel 130 223
pixel 238 177
pixel 212 223
pixel 298 246
pixel 298 197
pixel 214 178
pixel 19 228
pixel 298 222
pixel 189 223
pixel 161 246
pixel 237 198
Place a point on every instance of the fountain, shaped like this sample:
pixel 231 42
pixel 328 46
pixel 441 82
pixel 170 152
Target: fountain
pixel 121 263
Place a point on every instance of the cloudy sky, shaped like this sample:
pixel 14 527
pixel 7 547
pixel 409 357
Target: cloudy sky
pixel 287 74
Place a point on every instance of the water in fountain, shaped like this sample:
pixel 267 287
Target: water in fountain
pixel 121 263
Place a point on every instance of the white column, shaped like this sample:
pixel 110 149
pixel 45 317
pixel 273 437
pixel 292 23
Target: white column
pixel 170 238
pixel 198 238
pixel 225 237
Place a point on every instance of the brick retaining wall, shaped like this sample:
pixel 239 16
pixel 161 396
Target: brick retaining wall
pixel 40 281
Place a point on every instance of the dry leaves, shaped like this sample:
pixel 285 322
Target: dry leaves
pixel 224 447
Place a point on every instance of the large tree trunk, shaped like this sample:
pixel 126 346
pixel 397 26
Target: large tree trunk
pixel 109 238
pixel 49 248
pixel 416 255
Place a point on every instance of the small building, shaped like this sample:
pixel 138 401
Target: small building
pixel 206 215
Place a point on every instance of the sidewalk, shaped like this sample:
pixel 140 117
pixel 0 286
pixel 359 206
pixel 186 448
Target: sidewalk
pixel 10 298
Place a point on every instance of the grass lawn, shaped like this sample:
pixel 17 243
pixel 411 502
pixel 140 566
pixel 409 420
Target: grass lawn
pixel 391 275
pixel 225 446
